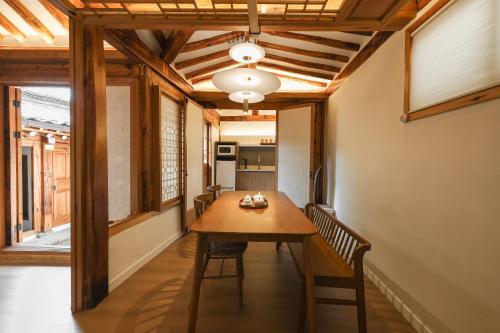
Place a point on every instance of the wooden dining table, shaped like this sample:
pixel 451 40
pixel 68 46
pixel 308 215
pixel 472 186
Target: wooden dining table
pixel 281 221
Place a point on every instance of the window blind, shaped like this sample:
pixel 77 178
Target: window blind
pixel 455 53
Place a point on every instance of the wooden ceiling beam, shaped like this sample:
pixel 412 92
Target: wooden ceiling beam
pixel 50 55
pixel 56 13
pixel 219 100
pixel 359 59
pixel 292 70
pixel 175 42
pixel 127 42
pixel 31 20
pixel 359 33
pixel 210 69
pixel 346 9
pixel 393 11
pixel 249 118
pixel 330 42
pixel 307 64
pixel 216 40
pixel 160 38
pixel 113 21
pixel 308 53
pixel 201 59
pixel 12 29
pixel 253 17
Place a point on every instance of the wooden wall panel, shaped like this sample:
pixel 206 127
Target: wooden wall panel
pixel 255 181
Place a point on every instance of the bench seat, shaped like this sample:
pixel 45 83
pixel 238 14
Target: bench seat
pixel 326 262
pixel 337 262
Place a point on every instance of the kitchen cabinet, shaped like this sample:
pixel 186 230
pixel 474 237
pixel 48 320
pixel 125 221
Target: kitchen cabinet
pixel 255 180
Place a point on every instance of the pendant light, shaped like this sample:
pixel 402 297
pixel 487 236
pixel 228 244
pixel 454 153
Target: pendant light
pixel 246 79
pixel 246 85
pixel 247 53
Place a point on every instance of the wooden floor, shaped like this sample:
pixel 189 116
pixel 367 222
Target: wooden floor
pixel 155 299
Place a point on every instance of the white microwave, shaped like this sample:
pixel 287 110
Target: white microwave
pixel 226 150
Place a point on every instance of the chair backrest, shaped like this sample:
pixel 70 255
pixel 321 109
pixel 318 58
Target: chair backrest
pixel 202 202
pixel 347 243
pixel 215 190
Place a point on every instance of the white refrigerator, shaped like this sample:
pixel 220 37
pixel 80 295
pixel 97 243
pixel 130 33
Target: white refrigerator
pixel 226 174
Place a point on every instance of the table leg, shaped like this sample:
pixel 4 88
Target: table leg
pixel 197 277
pixel 309 285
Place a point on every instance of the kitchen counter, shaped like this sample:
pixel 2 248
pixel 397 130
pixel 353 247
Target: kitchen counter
pixel 255 168
pixel 253 179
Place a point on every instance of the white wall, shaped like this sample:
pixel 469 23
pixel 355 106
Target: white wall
pixel 131 249
pixel 425 193
pixel 247 132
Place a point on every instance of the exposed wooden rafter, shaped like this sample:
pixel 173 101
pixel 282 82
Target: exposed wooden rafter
pixel 12 29
pixel 216 40
pixel 359 33
pixel 175 42
pixel 210 69
pixel 292 70
pixel 302 63
pixel 160 38
pixel 339 44
pixel 201 59
pixel 359 59
pixel 31 20
pixel 308 53
pixel 56 13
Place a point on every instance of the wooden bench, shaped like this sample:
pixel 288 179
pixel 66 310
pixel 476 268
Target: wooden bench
pixel 337 259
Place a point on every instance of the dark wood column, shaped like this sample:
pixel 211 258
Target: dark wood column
pixel 89 168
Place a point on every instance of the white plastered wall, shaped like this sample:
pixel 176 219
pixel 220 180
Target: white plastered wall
pixel 425 193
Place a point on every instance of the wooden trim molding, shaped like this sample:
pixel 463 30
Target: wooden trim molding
pixel 458 102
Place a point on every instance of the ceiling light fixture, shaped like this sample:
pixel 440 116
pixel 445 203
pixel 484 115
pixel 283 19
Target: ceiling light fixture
pixel 247 53
pixel 246 79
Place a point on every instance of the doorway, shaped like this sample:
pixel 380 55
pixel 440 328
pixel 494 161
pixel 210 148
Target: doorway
pixel 38 170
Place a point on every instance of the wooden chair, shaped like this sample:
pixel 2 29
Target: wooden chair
pixel 215 190
pixel 337 259
pixel 221 250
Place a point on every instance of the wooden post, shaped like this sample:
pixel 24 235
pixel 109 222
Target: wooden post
pixel 89 168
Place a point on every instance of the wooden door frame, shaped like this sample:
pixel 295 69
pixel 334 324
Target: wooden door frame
pixel 12 166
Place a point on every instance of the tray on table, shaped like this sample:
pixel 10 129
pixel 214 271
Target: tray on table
pixel 252 206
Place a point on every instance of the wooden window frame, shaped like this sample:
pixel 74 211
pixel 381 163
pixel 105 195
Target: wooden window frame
pixel 158 203
pixel 449 105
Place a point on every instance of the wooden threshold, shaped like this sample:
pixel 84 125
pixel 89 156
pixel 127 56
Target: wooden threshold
pixel 19 255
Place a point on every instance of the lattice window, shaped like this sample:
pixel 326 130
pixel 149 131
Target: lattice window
pixel 170 149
